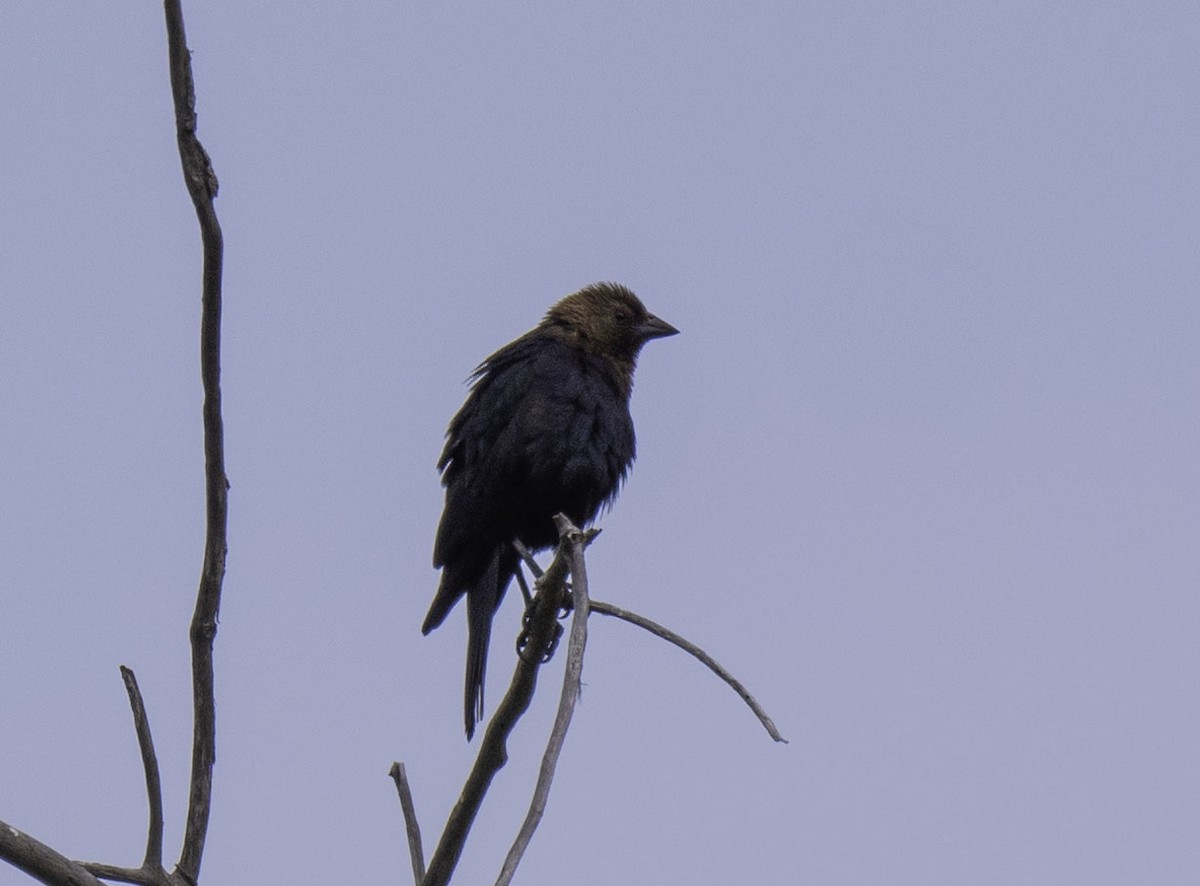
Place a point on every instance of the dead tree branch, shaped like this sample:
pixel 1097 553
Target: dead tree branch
pixel 692 649
pixel 411 826
pixel 540 631
pixel 24 851
pixel 141 725
pixel 575 540
pixel 151 873
pixel 140 876
pixel 202 186
pixel 35 858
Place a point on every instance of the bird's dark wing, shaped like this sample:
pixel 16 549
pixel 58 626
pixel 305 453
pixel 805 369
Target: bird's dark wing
pixel 543 430
pixel 483 461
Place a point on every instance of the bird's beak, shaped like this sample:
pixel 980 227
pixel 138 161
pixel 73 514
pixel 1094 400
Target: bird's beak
pixel 652 327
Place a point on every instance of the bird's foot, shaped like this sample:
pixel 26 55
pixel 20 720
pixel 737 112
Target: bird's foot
pixel 531 655
pixel 563 607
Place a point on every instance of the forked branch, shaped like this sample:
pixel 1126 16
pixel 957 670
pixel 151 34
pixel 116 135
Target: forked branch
pixel 540 631
pixel 24 851
pixel 575 540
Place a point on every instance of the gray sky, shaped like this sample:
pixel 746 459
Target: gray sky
pixel 921 469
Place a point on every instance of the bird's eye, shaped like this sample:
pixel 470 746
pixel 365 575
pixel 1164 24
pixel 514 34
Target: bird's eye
pixel 621 315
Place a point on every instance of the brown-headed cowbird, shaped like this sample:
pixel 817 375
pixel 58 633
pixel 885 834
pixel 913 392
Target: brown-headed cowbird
pixel 545 430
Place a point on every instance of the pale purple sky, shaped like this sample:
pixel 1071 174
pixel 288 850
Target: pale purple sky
pixel 923 468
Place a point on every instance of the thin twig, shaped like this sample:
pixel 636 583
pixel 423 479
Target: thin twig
pixel 539 630
pixel 141 725
pixel 202 186
pixel 575 540
pixel 687 646
pixel 151 873
pixel 527 556
pixel 411 826
pixel 523 585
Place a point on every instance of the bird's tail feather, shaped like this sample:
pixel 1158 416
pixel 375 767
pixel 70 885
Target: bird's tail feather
pixel 481 607
pixel 484 589
pixel 443 602
pixel 482 602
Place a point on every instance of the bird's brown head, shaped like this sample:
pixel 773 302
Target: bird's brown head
pixel 608 320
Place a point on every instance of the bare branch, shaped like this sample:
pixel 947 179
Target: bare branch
pixel 35 858
pixel 202 186
pixel 142 876
pixel 26 853
pixel 151 873
pixel 691 648
pixel 519 575
pixel 411 825
pixel 575 541
pixel 141 725
pixel 493 753
pixel 526 556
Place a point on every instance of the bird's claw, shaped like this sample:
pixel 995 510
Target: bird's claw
pixel 547 653
pixel 567 604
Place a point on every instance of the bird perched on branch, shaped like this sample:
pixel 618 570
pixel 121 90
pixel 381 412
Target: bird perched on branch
pixel 545 429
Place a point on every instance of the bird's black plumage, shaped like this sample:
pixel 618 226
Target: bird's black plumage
pixel 545 429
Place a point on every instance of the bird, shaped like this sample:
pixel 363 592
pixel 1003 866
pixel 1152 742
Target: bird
pixel 545 429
